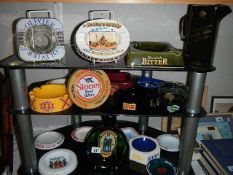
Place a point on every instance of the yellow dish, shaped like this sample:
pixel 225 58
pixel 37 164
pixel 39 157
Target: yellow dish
pixel 49 98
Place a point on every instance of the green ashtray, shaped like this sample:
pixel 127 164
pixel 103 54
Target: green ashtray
pixel 154 54
pixel 161 166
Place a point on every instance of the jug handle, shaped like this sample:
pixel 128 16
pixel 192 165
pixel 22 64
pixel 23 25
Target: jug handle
pixel 222 11
pixel 182 27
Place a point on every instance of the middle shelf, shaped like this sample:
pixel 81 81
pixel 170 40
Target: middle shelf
pixel 110 108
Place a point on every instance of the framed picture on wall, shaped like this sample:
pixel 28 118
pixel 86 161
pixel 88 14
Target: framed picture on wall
pixel 221 104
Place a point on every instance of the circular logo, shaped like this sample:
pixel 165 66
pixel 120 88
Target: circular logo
pixel 47 106
pixel 89 89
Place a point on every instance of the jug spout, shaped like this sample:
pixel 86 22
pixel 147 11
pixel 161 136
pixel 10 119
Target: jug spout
pixel 222 11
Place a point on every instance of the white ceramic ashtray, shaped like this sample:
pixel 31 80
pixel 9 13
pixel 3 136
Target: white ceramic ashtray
pixel 80 133
pixel 57 81
pixel 130 132
pixel 48 140
pixel 143 149
pixel 169 142
pixel 58 162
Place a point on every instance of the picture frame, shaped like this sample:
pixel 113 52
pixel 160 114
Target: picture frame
pixel 221 104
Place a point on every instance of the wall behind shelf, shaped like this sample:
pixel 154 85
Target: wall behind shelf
pixel 145 22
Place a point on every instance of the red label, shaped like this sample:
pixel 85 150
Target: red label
pixel 129 106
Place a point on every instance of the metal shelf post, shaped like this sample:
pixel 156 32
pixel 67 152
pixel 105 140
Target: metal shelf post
pixel 23 123
pixel 76 120
pixel 189 129
pixel 144 120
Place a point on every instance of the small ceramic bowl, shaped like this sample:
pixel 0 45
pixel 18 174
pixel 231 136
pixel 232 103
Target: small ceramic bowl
pixel 130 132
pixel 161 166
pixel 58 162
pixel 169 145
pixel 80 133
pixel 48 140
pixel 57 81
pixel 169 142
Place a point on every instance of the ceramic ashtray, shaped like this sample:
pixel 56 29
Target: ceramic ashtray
pixel 169 142
pixel 80 133
pixel 49 98
pixel 57 81
pixel 130 132
pixel 143 149
pixel 89 89
pixel 48 140
pixel 102 40
pixel 161 166
pixel 58 162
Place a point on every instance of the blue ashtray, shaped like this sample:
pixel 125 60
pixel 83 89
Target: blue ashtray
pixel 144 144
pixel 161 166
pixel 143 149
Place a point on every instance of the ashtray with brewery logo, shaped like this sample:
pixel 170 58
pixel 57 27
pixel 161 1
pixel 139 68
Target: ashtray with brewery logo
pixel 89 89
pixel 40 38
pixel 102 40
pixel 154 54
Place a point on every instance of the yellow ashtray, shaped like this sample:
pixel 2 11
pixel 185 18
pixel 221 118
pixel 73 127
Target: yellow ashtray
pixel 49 98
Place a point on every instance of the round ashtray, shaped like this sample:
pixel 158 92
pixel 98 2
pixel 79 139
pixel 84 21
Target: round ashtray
pixel 79 134
pixel 161 166
pixel 48 140
pixel 49 98
pixel 58 162
pixel 130 132
pixel 143 149
pixel 144 144
pixel 169 142
pixel 89 89
pixel 57 81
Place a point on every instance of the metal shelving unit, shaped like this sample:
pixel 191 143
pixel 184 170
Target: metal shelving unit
pixel 15 69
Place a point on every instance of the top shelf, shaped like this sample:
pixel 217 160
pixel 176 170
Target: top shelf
pixel 73 61
pixel 133 1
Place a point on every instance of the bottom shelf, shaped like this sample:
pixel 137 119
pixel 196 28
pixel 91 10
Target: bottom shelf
pixel 79 149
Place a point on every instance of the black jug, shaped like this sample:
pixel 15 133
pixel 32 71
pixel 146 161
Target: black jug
pixel 198 30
